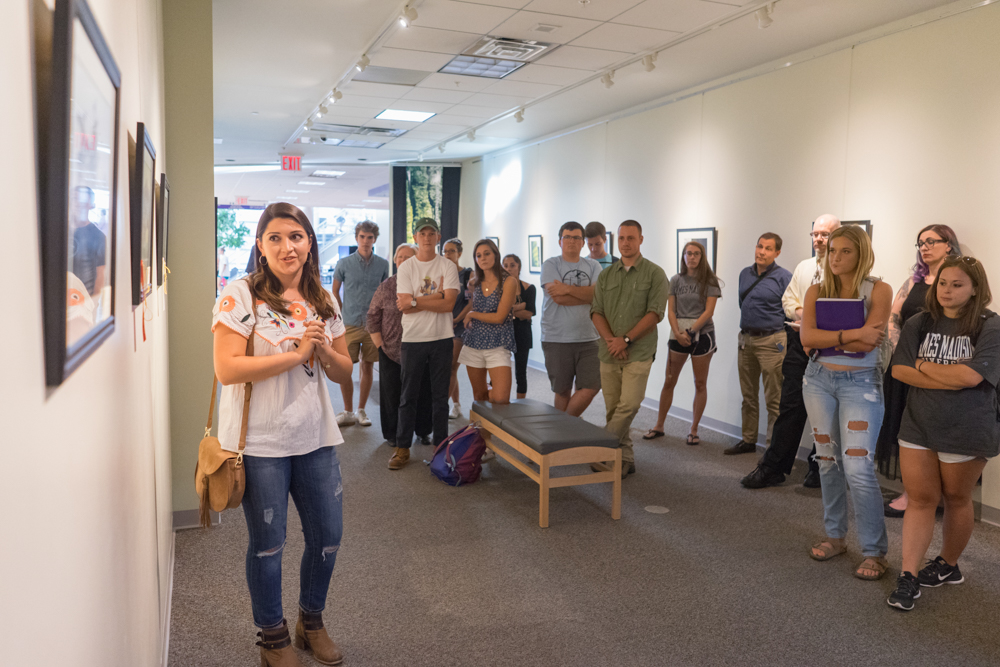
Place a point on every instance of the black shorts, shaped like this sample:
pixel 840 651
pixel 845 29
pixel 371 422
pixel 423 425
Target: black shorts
pixel 704 345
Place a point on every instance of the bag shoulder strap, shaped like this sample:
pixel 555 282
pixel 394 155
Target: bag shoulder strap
pixel 744 294
pixel 247 391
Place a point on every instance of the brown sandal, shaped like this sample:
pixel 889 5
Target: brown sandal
pixel 828 548
pixel 874 564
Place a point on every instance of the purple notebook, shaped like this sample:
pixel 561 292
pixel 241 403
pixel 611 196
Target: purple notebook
pixel 837 314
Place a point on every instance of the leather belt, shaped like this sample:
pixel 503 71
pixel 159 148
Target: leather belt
pixel 760 332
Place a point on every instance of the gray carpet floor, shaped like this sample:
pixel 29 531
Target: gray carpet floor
pixel 433 575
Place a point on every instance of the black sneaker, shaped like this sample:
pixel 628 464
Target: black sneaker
pixel 907 590
pixel 740 447
pixel 938 572
pixel 762 477
pixel 812 480
pixel 628 468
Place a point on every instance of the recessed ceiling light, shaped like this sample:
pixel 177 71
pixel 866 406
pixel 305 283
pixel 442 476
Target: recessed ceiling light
pixel 491 68
pixel 409 116
pixel 357 143
pixel 247 168
pixel 326 173
pixel 374 201
pixel 218 141
pixel 315 182
pixel 301 192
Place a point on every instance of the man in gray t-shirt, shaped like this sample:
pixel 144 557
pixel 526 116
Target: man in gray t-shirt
pixel 569 339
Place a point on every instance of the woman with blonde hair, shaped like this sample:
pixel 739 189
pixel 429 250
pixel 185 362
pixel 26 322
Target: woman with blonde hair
pixel 842 390
pixel 293 331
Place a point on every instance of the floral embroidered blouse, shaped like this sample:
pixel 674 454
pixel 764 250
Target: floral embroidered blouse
pixel 291 413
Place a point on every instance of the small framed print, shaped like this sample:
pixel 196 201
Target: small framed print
pixel 610 249
pixel 706 236
pixel 864 224
pixel 495 239
pixel 535 257
pixel 78 215
pixel 162 226
pixel 143 191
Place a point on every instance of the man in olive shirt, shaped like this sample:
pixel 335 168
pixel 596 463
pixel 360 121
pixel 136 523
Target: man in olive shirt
pixel 630 299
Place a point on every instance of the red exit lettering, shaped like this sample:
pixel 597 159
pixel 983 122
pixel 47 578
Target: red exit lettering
pixel 291 163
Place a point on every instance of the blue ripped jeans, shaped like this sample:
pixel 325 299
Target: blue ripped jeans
pixel 313 480
pixel 845 410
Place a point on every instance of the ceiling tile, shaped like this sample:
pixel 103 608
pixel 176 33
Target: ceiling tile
pixel 367 89
pixel 558 76
pixel 339 111
pixel 431 132
pixel 522 26
pixel 408 143
pixel 502 102
pixel 521 88
pixel 579 57
pixel 512 4
pixel 450 124
pixel 462 16
pixel 406 58
pixel 731 3
pixel 604 10
pixel 624 38
pixel 471 84
pixel 437 95
pixel 476 113
pixel 432 39
pixel 677 15
pixel 352 100
pixel 416 105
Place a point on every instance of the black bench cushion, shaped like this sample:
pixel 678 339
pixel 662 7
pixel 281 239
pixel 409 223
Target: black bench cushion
pixel 543 428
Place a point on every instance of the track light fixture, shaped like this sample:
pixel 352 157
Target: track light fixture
pixel 408 16
pixel 471 136
pixel 608 79
pixel 647 62
pixel 519 115
pixel 441 147
pixel 309 124
pixel 322 111
pixel 420 157
pixel 363 63
pixel 764 16
pixel 335 95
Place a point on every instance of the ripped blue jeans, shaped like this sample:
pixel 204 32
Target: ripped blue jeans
pixel 313 480
pixel 845 411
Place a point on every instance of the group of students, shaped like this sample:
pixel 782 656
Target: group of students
pixel 599 333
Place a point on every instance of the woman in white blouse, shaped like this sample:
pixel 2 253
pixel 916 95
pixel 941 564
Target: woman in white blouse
pixel 298 336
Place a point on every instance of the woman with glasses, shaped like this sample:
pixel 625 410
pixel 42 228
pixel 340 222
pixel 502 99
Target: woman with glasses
pixel 935 243
pixel 950 358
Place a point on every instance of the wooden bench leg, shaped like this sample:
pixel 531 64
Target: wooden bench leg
pixel 543 494
pixel 616 488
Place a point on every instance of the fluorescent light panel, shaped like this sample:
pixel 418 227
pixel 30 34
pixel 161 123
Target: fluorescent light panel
pixel 325 173
pixel 409 116
pixel 313 182
pixel 247 168
pixel 491 68
pixel 301 192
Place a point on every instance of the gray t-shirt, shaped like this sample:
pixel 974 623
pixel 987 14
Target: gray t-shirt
pixel 688 300
pixel 962 421
pixel 568 324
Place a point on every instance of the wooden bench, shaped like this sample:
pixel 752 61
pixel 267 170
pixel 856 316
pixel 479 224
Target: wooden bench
pixel 550 438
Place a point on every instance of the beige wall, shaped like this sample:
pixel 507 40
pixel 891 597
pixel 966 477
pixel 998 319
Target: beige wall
pixel 901 130
pixel 85 467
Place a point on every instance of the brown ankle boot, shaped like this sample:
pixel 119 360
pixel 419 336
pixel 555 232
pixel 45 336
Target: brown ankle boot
pixel 311 635
pixel 276 648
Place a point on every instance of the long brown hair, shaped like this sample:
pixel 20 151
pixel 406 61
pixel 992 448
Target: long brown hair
pixel 266 286
pixel 498 269
pixel 703 273
pixel 970 319
pixel 830 287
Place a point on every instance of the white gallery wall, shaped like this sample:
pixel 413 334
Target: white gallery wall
pixel 84 467
pixel 902 130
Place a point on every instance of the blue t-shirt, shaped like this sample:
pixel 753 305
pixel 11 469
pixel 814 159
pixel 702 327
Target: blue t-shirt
pixel 568 324
pixel 360 280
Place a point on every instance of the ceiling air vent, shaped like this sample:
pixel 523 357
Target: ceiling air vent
pixel 380 132
pixel 507 49
pixel 319 128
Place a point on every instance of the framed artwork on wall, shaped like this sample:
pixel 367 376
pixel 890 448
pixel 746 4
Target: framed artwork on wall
pixel 495 239
pixel 707 236
pixel 142 185
pixel 864 224
pixel 78 215
pixel 162 225
pixel 535 256
pixel 610 249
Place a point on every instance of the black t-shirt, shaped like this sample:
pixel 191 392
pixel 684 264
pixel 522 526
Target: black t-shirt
pixel 89 246
pixel 960 421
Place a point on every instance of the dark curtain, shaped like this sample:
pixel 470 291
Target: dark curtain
pixel 451 184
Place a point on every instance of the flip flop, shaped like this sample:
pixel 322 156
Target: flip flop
pixel 693 440
pixel 652 434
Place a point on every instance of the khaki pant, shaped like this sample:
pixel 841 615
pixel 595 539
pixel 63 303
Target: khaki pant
pixel 760 355
pixel 624 387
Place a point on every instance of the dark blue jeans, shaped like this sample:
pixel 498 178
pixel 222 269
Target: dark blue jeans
pixel 314 482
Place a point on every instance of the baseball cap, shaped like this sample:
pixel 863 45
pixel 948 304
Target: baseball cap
pixel 426 222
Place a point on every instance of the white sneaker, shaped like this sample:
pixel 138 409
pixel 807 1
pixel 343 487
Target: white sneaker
pixel 363 418
pixel 456 411
pixel 346 418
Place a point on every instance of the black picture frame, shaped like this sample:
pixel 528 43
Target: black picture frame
pixel 610 242
pixel 142 187
pixel 77 132
pixel 162 227
pixel 495 239
pixel 864 224
pixel 707 236
pixel 535 259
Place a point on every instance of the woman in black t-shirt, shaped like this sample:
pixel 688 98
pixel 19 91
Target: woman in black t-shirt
pixel 463 304
pixel 524 310
pixel 950 357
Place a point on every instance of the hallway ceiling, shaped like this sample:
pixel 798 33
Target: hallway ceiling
pixel 276 63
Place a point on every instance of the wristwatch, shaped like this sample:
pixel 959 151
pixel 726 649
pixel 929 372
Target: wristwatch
pixel 628 341
pixel 413 303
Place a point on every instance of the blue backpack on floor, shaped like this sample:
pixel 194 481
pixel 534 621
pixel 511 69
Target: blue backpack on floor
pixel 458 459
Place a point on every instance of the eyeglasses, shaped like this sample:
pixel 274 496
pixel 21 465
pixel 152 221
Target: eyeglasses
pixel 820 235
pixel 567 237
pixel 930 243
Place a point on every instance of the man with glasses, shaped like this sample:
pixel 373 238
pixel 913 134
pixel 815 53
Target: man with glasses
pixel 787 434
pixel 569 339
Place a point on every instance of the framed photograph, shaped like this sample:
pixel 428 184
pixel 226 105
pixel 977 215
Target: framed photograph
pixel 142 186
pixel 866 224
pixel 78 217
pixel 610 245
pixel 535 256
pixel 706 236
pixel 495 239
pixel 162 225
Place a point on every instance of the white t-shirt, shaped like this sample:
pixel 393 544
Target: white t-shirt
pixel 290 413
pixel 424 279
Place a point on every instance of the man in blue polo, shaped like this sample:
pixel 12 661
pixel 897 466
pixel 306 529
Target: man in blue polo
pixel 762 338
pixel 360 273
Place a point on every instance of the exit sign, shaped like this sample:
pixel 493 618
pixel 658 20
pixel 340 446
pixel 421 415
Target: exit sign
pixel 242 201
pixel 291 163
